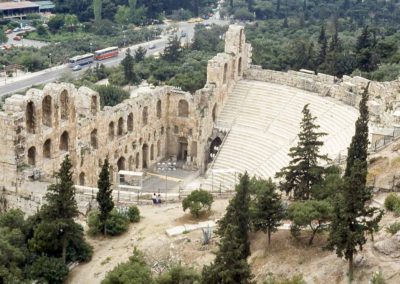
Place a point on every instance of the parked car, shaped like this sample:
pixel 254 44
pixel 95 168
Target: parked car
pixel 17 30
pixel 183 34
pixel 77 68
pixel 9 31
pixel 17 38
pixel 152 46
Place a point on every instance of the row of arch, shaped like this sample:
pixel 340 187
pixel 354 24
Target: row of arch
pixel 47 149
pixel 239 70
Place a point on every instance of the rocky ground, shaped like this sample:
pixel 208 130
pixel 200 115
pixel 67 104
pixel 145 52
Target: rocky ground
pixel 284 257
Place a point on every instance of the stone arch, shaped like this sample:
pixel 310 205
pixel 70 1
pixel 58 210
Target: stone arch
pixel 137 160
pixel 111 130
pixel 145 114
pixel 93 139
pixel 182 149
pixel 214 113
pixel 64 141
pixel 47 149
pixel 47 111
pixel 158 148
pixel 159 111
pixel 193 149
pixel 32 156
pixel 129 122
pixel 120 126
pixel 82 178
pixel 183 108
pixel 121 164
pixel 30 117
pixel 152 152
pixel 64 107
pixel 130 163
pixel 225 73
pixel 240 67
pixel 93 105
pixel 145 156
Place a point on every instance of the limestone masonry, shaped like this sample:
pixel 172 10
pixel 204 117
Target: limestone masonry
pixel 37 130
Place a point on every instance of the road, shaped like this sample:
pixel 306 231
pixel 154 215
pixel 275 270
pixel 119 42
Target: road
pixel 53 74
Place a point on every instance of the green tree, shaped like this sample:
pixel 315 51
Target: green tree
pixel 71 22
pixel 56 23
pixel 367 58
pixel 238 214
pixel 111 95
pixel 179 274
pixel 57 228
pixel 41 31
pixel 303 171
pixel 97 9
pixel 122 16
pixel 197 202
pixel 267 207
pixel 173 49
pixel 127 64
pixel 3 36
pixel 140 54
pixel 229 265
pixel 49 270
pixel 352 217
pixel 310 214
pixel 104 195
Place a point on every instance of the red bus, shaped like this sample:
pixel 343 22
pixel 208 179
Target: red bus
pixel 106 53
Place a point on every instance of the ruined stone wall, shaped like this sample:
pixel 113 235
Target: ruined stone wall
pixel 383 96
pixel 40 128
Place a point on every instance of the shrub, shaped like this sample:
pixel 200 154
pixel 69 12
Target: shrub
pixel 393 228
pixel 271 279
pixel 111 95
pixel 197 202
pixel 133 214
pixel 392 202
pixel 133 271
pixel 48 270
pixel 179 274
pixel 116 224
pixel 377 278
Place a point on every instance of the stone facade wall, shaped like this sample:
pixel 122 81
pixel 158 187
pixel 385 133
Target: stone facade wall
pixel 384 97
pixel 40 128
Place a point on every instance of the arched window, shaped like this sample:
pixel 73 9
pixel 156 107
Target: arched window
pixel 93 105
pixel 152 152
pixel 159 109
pixel 145 115
pixel 111 130
pixel 129 122
pixel 225 71
pixel 158 148
pixel 121 164
pixel 240 67
pixel 47 149
pixel 47 111
pixel 82 178
pixel 183 108
pixel 145 156
pixel 120 126
pixel 137 160
pixel 64 105
pixel 64 141
pixel 32 156
pixel 93 139
pixel 30 117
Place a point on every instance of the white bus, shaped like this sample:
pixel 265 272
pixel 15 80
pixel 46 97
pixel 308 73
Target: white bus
pixel 81 60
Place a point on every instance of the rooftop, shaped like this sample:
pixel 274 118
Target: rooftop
pixel 17 5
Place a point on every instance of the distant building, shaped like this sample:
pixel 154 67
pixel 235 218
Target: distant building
pixel 18 9
pixel 45 6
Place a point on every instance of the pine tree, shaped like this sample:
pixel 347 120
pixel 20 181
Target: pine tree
pixel 237 214
pixel 97 9
pixel 173 49
pixel 303 171
pixel 61 207
pixel 367 58
pixel 323 42
pixel 140 54
pixel 353 219
pixel 127 64
pixel 268 210
pixel 104 195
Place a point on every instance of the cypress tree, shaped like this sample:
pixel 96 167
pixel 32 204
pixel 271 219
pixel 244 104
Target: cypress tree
pixel 230 265
pixel 237 214
pixel 127 64
pixel 352 218
pixel 104 195
pixel 323 42
pixel 61 207
pixel 97 9
pixel 303 171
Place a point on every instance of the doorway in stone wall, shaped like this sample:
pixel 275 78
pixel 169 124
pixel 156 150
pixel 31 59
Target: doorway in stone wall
pixel 145 156
pixel 183 149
